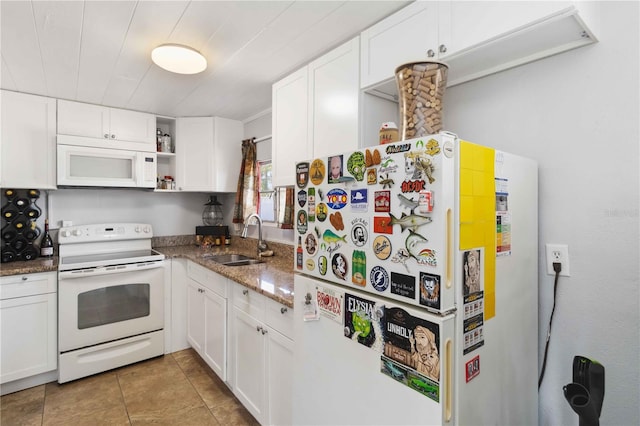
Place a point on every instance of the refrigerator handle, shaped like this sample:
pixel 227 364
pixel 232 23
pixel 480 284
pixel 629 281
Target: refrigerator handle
pixel 449 250
pixel 448 382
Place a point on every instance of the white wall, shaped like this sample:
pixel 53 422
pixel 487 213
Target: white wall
pixel 577 114
pixel 173 213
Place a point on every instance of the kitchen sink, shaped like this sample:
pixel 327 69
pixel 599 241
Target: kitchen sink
pixel 232 259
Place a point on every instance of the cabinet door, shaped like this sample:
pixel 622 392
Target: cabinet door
pixel 195 316
pixel 334 92
pixel 28 343
pixel 215 339
pixel 194 154
pixel 133 126
pixel 290 142
pixel 279 378
pixel 405 36
pixel 249 363
pixel 467 23
pixel 79 119
pixel 228 135
pixel 28 150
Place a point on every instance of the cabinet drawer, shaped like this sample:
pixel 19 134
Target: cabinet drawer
pixel 27 285
pixel 249 301
pixel 279 317
pixel 207 278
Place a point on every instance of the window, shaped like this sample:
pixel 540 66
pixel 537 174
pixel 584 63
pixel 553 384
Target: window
pixel 267 209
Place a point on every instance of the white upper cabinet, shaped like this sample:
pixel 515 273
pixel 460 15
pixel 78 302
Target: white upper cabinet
pixel 208 154
pixel 405 36
pixel 315 111
pixel 28 143
pixel 474 38
pixel 289 126
pixel 333 94
pixel 109 124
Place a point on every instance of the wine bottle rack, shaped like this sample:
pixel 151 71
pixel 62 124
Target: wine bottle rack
pixel 19 229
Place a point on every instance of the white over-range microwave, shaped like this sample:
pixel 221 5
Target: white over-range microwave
pixel 105 167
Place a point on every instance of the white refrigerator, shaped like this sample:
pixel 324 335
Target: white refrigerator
pixel 416 286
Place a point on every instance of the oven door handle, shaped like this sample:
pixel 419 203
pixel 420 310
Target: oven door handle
pixel 109 270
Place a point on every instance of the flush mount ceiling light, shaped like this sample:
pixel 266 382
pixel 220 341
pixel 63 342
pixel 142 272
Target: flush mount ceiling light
pixel 179 59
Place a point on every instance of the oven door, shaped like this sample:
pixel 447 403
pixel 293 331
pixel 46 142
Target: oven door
pixel 104 304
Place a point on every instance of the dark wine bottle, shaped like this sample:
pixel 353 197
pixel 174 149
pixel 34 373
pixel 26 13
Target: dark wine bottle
pixel 10 194
pixel 20 223
pixel 29 252
pixel 32 232
pixel 8 254
pixel 9 233
pixel 32 212
pixel 21 203
pixel 9 212
pixel 46 245
pixel 19 243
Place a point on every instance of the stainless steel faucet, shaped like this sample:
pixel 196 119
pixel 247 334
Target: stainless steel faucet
pixel 262 245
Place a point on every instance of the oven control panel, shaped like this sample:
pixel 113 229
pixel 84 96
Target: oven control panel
pixel 104 232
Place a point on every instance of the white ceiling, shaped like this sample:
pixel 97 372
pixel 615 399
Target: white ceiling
pixel 99 51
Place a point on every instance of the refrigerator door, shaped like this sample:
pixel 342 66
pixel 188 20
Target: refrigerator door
pixel 347 372
pixel 381 220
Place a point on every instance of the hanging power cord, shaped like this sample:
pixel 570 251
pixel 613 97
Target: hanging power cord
pixel 557 267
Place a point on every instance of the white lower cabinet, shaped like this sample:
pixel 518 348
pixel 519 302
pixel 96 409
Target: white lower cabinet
pixel 261 356
pixel 207 316
pixel 28 318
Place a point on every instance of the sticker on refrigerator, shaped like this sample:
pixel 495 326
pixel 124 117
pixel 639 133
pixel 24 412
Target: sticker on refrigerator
pixel 363 321
pixel 359 233
pixel 337 198
pixel 386 181
pixel 372 176
pixel 332 240
pixel 413 342
pixel 379 278
pixel 471 272
pixel 472 368
pixel 401 257
pixel 301 221
pixel 336 220
pixel 387 165
pixel 311 244
pixel 397 372
pixel 503 234
pixel 302 174
pixel 403 285
pixel 425 202
pixel 382 201
pixel 372 159
pixel 302 197
pixel 356 165
pixel 382 225
pixel 473 340
pixel 311 204
pixel 310 264
pixel 321 212
pixel 432 147
pixel 359 200
pixel 408 203
pixel 417 167
pixel 322 265
pixel 330 303
pixel 317 172
pixel 359 268
pixel 430 290
pixel 396 148
pixel 413 244
pixel 335 169
pixel 382 247
pixel 339 266
pixel 411 221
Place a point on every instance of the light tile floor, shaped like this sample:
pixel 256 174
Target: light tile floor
pixel 176 389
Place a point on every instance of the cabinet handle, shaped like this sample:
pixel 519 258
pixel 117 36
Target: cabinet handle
pixel 24 278
pixel 113 136
pixel 263 331
pixel 442 48
pixel 258 328
pixel 106 136
pixel 245 292
pixel 431 53
pixel 283 310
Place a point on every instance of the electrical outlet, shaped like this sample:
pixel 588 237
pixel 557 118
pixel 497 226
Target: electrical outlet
pixel 558 253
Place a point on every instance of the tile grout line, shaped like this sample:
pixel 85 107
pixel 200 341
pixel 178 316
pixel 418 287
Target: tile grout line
pixel 124 402
pixel 194 388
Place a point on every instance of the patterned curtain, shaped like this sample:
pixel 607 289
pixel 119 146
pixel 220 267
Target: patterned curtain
pixel 286 221
pixel 247 196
